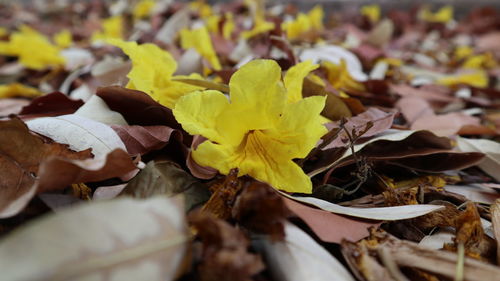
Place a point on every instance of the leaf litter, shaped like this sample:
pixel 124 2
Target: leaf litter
pixel 248 140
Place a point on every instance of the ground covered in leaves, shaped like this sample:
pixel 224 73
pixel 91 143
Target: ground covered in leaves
pixel 156 140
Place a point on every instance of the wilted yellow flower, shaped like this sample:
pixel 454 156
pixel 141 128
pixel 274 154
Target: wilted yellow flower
pixel 461 52
pixel 260 26
pixel 482 61
pixel 152 71
pixel 143 8
pixel 33 49
pixel 372 12
pixel 199 39
pixel 63 39
pixel 112 28
pixel 304 23
pixel 256 130
pixel 477 78
pixel 443 15
pixel 340 78
pixel 18 90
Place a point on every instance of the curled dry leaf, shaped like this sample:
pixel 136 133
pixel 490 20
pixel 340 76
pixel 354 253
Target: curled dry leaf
pixel 20 164
pixel 123 239
pixel 380 120
pixel 167 178
pixel 79 133
pixel 96 109
pixel 491 162
pixel 137 107
pixel 144 139
pixel 225 254
pixel 299 257
pixel 383 213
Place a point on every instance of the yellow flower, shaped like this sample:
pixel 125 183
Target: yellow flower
pixel 260 26
pixel 143 8
pixel 228 27
pixel 199 39
pixel 63 39
pixel 304 23
pixel 340 78
pixel 294 79
pixel 202 8
pixel 3 31
pixel 372 12
pixel 462 52
pixel 33 49
pixel 443 15
pixel 18 90
pixel 256 130
pixel 112 28
pixel 483 61
pixel 152 71
pixel 477 78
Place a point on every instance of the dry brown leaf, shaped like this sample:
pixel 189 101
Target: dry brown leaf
pixel 225 254
pixel 144 139
pixel 495 219
pixel 52 104
pixel 20 163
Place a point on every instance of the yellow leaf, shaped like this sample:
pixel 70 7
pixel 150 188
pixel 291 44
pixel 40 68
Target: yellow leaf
pixel 18 90
pixel 199 39
pixel 256 130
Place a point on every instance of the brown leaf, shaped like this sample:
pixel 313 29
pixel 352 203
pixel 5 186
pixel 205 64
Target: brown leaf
pixel 335 108
pixel 224 195
pixel 137 107
pixel 330 227
pixel 144 139
pixel 225 254
pixel 21 154
pixel 198 171
pixel 167 178
pixel 260 209
pixel 380 121
pixel 52 104
pixel 495 219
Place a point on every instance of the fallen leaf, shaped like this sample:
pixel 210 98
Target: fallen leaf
pixel 12 106
pixel 381 34
pixel 144 139
pixel 495 219
pixel 330 227
pixel 52 104
pixel 491 162
pixel 20 164
pixel 79 133
pixel 123 239
pixel 380 122
pixel 382 213
pixel 161 177
pixel 137 107
pixel 96 109
pixel 225 254
pixel 299 257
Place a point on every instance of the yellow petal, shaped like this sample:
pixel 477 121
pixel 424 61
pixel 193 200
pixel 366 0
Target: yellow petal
pixel 198 113
pixel 316 15
pixel 260 26
pixel 294 79
pixel 257 93
pixel 200 40
pixel 462 52
pixel 477 79
pixel 33 49
pixel 63 39
pixel 18 90
pixel 299 129
pixel 143 9
pixel 443 15
pixel 372 12
pixel 112 29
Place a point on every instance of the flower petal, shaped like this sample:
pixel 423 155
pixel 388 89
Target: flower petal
pixel 299 128
pixel 294 79
pixel 257 94
pixel 198 113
